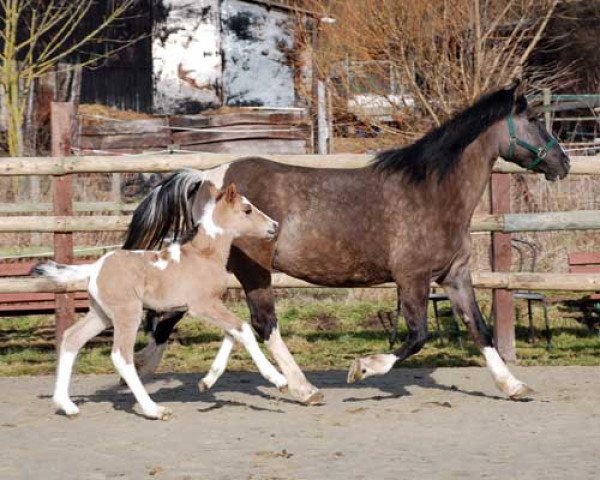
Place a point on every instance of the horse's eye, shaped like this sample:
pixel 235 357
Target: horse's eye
pixel 248 211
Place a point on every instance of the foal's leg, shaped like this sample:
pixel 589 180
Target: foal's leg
pixel 126 322
pixel 148 359
pixel 256 281
pixel 219 364
pixel 413 299
pixel 459 288
pixel 219 316
pixel 74 338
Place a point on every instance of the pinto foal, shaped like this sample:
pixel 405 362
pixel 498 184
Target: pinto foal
pixel 191 277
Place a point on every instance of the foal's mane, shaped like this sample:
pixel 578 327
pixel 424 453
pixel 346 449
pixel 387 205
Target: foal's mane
pixel 440 150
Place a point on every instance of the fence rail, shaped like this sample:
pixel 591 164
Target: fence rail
pixel 579 282
pixel 166 163
pixel 507 223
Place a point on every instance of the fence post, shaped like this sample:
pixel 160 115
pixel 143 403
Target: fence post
pixel 504 325
pixel 62 122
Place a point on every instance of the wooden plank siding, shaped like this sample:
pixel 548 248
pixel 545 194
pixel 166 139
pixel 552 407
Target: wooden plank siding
pixel 245 131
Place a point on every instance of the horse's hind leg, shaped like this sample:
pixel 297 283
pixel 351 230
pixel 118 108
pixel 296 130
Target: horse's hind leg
pixel 126 322
pixel 74 338
pixel 413 298
pixel 256 281
pixel 459 288
pixel 148 359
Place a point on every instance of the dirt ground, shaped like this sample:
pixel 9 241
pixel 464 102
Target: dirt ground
pixel 413 423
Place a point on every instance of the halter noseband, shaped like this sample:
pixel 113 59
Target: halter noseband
pixel 539 152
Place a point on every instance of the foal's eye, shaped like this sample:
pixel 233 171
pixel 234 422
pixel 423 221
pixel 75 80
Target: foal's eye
pixel 248 211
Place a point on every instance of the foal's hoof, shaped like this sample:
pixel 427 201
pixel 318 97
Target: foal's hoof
pixel 203 386
pixel 315 398
pixel 164 413
pixel 357 371
pixel 521 391
pixel 285 389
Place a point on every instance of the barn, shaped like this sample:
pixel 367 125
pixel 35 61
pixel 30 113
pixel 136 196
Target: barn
pixel 207 54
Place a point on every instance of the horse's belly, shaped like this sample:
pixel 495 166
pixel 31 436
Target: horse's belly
pixel 330 266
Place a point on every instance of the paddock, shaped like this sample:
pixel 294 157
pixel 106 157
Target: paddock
pixel 413 423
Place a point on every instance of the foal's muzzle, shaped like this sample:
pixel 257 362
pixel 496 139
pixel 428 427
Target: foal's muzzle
pixel 273 230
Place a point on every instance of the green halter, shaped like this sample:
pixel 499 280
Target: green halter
pixel 539 152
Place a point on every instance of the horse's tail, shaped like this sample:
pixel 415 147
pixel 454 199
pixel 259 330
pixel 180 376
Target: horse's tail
pixel 63 273
pixel 166 208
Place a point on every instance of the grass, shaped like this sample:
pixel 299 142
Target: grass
pixel 323 332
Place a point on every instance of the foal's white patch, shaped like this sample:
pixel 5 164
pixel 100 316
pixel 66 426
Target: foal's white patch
pixel 500 372
pixel 245 201
pixel 207 221
pixel 175 252
pixel 160 264
pixel 93 285
pixel 216 175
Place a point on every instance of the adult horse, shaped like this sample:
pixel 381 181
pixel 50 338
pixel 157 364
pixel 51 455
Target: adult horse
pixel 405 218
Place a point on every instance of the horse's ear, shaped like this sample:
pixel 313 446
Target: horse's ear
pixel 230 193
pixel 214 191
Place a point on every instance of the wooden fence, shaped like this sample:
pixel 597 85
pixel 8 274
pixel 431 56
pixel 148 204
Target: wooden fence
pixel 500 222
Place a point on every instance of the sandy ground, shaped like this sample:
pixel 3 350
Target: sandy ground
pixel 413 423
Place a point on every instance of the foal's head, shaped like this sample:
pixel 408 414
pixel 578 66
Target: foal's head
pixel 231 213
pixel 526 142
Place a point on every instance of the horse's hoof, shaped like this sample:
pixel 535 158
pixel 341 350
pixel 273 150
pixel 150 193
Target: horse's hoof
pixel 356 372
pixel 315 398
pixel 522 391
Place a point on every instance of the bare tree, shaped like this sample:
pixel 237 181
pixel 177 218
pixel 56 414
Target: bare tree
pixel 38 35
pixel 441 55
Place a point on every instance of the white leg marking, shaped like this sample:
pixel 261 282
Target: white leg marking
pixel 148 359
pixel 129 374
pixel 299 386
pixel 219 364
pixel 61 397
pixel 266 368
pixel 501 374
pixel 378 364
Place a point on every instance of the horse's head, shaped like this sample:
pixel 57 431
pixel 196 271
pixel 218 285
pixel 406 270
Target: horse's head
pixel 526 142
pixel 236 215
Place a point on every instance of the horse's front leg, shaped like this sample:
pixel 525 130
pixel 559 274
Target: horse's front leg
pixel 459 287
pixel 413 299
pixel 256 281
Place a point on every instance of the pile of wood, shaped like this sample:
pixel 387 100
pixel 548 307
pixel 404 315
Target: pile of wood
pixel 241 131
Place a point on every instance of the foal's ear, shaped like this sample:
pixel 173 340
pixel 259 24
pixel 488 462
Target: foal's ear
pixel 230 193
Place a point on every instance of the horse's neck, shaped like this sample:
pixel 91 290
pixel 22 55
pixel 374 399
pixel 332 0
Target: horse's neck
pixel 472 174
pixel 216 247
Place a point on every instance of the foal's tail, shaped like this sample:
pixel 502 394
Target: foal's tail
pixel 166 208
pixel 63 273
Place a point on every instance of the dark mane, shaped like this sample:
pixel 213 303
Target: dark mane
pixel 440 150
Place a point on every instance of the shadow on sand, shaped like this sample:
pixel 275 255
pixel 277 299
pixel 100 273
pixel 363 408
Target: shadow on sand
pixel 183 388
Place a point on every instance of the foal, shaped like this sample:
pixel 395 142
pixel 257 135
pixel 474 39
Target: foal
pixel 191 277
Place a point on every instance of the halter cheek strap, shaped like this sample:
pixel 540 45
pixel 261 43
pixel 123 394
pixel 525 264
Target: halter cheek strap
pixel 539 152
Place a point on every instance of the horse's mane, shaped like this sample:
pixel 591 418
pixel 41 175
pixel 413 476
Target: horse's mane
pixel 440 150
pixel 167 208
